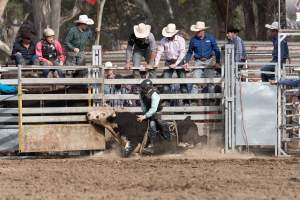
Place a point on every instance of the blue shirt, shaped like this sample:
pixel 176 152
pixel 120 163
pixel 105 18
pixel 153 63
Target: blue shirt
pixel 203 48
pixel 292 83
pixel 284 49
pixel 239 49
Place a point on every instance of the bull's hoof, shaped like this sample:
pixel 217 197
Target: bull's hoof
pixel 127 150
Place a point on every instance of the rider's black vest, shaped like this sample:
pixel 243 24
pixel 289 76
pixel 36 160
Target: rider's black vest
pixel 146 98
pixel 49 51
pixel 140 43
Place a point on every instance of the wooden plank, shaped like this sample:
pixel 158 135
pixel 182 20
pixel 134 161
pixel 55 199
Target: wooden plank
pixel 63 118
pixel 8 110
pixel 9 81
pixel 167 96
pixel 164 81
pixel 26 97
pixel 65 81
pixel 66 110
pixel 194 117
pixel 62 137
pixel 8 119
pixel 8 98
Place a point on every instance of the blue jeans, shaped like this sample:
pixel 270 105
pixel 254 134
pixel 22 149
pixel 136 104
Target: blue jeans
pixel 46 71
pixel 203 73
pixel 168 73
pixel 137 58
pixel 20 60
pixel 269 68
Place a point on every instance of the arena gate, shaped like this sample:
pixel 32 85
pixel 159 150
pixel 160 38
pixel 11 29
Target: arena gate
pixel 51 115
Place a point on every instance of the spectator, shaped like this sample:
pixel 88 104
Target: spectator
pixel 77 39
pixel 50 52
pixel 115 89
pixel 141 43
pixel 173 47
pixel 206 53
pixel 274 27
pixel 24 51
pixel 239 46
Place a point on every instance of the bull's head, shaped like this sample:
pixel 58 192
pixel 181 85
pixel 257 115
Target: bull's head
pixel 101 116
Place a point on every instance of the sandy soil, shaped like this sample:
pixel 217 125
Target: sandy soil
pixel 165 177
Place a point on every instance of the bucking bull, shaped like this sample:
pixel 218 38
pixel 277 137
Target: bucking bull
pixel 132 135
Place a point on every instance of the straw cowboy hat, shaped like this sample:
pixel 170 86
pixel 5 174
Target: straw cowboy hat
pixel 273 26
pixel 84 19
pixel 199 26
pixel 169 31
pixel 142 30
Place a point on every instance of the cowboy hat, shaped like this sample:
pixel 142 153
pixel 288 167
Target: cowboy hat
pixel 169 30
pixel 108 65
pixel 199 26
pixel 141 30
pixel 273 26
pixel 232 29
pixel 84 19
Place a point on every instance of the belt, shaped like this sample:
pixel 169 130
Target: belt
pixel 171 61
pixel 202 58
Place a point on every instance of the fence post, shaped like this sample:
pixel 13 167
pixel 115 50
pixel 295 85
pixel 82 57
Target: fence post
pixel 97 61
pixel 20 113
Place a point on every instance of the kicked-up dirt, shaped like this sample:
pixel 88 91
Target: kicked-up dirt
pixel 150 178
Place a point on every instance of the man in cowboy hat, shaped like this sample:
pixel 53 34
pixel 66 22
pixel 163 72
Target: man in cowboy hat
pixel 206 53
pixel 49 52
pixel 274 27
pixel 239 46
pixel 173 47
pixel 24 51
pixel 77 39
pixel 141 43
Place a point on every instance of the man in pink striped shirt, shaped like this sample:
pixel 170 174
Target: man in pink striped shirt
pixel 173 48
pixel 50 53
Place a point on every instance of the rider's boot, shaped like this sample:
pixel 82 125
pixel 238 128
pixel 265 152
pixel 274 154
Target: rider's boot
pixel 150 148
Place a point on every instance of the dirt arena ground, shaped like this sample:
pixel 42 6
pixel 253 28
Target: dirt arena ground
pixel 164 177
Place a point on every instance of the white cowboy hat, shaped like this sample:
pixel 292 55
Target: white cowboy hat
pixel 84 19
pixel 199 26
pixel 273 26
pixel 142 30
pixel 108 65
pixel 169 31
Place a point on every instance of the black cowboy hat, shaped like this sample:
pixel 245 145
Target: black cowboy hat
pixel 232 29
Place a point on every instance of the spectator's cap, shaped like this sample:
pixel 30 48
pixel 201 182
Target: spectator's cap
pixel 141 30
pixel 48 32
pixel 273 26
pixel 84 19
pixel 232 29
pixel 199 26
pixel 170 30
pixel 26 35
pixel 108 65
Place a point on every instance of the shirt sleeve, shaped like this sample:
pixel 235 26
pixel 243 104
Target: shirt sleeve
pixel 68 40
pixel 153 45
pixel 182 51
pixel 289 82
pixel 190 51
pixel 38 52
pixel 59 49
pixel 155 98
pixel 160 51
pixel 216 49
pixel 284 49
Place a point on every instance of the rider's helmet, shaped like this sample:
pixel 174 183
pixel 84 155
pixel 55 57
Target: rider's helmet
pixel 146 85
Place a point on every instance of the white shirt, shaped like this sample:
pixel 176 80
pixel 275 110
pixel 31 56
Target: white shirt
pixel 173 49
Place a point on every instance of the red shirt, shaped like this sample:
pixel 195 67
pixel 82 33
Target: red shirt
pixel 58 47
